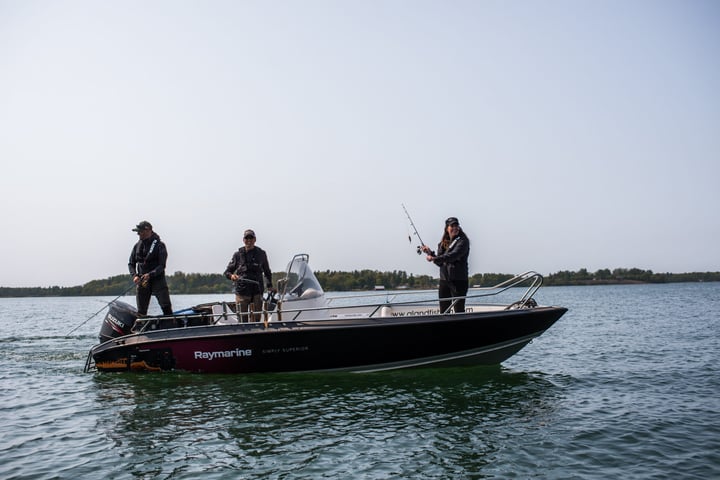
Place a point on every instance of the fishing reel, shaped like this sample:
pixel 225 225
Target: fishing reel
pixel 419 250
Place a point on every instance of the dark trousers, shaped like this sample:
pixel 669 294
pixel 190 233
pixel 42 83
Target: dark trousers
pixel 448 289
pixel 157 287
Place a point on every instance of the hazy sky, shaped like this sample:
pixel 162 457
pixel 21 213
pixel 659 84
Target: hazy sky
pixel 563 134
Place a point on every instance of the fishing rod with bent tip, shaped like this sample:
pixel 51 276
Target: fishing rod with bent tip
pixel 103 308
pixel 412 224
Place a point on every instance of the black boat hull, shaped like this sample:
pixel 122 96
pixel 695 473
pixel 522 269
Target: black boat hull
pixel 361 345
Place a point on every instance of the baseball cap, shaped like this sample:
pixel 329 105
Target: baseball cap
pixel 144 225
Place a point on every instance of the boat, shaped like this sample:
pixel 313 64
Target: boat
pixel 300 329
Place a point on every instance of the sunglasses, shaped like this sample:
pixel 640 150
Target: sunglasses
pixel 249 238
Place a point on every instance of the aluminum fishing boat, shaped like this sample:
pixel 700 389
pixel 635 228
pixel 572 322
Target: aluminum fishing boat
pixel 300 329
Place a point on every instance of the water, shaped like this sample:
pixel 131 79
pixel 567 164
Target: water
pixel 624 386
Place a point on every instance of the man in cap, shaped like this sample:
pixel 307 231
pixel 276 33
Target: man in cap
pixel 452 258
pixel 147 267
pixel 246 269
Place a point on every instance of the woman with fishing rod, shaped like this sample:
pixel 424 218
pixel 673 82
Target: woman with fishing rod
pixel 452 258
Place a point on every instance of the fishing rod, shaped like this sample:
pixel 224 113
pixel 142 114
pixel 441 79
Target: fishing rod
pixel 419 248
pixel 103 308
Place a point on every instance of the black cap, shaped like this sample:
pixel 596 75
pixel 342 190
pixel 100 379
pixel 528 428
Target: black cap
pixel 144 225
pixel 249 234
pixel 451 221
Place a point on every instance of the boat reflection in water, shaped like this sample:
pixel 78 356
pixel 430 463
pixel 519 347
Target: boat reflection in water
pixel 299 329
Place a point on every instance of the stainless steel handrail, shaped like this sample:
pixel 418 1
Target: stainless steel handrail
pixel 534 278
pixel 515 281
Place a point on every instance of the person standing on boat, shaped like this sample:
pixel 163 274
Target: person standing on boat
pixel 147 267
pixel 452 258
pixel 246 269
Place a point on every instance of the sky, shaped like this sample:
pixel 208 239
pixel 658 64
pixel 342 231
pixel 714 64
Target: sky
pixel 563 134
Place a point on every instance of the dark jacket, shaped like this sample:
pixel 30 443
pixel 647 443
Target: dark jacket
pixel 250 265
pixel 148 256
pixel 453 262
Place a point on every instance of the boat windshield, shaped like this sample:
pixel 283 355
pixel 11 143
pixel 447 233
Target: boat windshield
pixel 300 281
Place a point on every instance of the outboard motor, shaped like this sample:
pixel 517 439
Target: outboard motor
pixel 118 321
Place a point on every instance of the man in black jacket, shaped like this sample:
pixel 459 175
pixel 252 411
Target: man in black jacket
pixel 147 267
pixel 246 268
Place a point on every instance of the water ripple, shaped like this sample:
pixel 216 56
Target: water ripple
pixel 624 386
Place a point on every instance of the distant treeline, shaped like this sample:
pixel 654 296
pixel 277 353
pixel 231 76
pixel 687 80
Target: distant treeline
pixel 625 275
pixel 332 281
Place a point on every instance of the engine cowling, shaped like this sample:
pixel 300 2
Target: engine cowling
pixel 118 321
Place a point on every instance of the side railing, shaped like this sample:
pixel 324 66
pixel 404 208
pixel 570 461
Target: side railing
pixel 534 280
pixel 531 279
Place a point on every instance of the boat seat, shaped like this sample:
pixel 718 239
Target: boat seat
pixel 310 293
